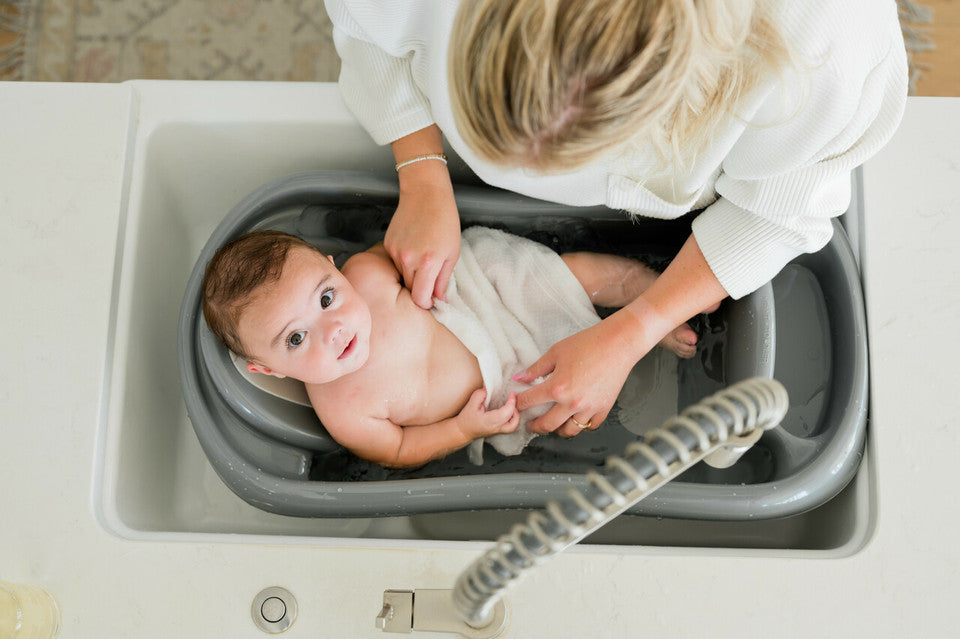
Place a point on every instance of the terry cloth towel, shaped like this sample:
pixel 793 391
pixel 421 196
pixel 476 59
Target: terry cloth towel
pixel 509 300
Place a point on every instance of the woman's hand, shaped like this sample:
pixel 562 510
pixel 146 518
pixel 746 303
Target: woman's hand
pixel 423 238
pixel 587 371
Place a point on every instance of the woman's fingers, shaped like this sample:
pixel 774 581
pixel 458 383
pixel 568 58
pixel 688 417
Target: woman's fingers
pixel 540 368
pixel 426 277
pixel 423 281
pixel 443 279
pixel 559 421
pixel 550 421
pixel 576 425
pixel 541 393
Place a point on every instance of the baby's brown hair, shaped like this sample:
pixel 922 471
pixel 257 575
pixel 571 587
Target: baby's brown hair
pixel 237 269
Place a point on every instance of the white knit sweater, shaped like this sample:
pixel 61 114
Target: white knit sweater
pixel 773 177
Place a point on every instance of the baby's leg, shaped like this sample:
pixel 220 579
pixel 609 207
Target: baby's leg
pixel 614 281
pixel 610 280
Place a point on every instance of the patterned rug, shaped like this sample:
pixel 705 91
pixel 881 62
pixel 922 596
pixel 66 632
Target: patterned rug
pixel 115 40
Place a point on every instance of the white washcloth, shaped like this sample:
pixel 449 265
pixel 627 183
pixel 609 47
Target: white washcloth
pixel 509 300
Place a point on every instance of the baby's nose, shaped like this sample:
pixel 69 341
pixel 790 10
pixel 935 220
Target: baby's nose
pixel 332 331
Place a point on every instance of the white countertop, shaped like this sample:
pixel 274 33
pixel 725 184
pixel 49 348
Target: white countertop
pixel 61 187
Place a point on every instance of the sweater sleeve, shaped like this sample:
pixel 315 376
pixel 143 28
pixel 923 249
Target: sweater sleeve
pixel 376 85
pixel 782 182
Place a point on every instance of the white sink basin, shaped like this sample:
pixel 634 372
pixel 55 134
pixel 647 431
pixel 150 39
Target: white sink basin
pixel 198 149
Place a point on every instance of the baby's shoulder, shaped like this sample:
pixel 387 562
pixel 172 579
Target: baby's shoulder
pixel 373 275
pixel 371 266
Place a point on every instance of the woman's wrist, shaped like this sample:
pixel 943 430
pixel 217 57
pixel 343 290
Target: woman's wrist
pixel 636 328
pixel 426 175
pixel 425 142
pixel 687 287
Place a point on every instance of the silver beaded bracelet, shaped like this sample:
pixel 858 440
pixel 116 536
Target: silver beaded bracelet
pixel 420 158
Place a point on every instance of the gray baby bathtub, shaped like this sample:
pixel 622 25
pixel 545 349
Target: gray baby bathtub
pixel 276 455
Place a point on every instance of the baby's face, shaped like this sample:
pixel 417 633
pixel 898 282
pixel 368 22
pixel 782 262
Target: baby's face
pixel 310 324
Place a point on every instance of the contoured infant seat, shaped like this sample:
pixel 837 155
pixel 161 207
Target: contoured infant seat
pixel 275 454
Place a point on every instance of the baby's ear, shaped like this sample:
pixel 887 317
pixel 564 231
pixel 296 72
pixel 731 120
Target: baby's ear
pixel 263 370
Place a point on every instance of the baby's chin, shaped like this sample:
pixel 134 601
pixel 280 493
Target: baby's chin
pixel 350 367
pixel 359 359
pixel 353 369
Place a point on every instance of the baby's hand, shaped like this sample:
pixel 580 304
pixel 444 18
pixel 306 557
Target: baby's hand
pixel 476 421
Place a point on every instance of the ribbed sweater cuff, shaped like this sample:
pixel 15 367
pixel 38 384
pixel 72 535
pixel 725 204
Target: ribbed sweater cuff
pixel 387 132
pixel 744 251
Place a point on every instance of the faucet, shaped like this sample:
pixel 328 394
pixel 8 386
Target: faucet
pixel 717 430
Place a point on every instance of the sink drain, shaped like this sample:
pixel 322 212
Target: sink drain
pixel 274 610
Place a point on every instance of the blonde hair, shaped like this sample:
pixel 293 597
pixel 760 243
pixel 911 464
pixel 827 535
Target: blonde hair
pixel 555 84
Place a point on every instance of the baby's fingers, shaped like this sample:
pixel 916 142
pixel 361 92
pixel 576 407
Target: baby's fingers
pixel 505 412
pixel 477 398
pixel 511 424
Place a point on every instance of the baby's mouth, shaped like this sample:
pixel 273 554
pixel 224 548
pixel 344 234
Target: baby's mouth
pixel 351 346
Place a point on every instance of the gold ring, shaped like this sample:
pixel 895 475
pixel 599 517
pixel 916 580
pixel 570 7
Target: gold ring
pixel 579 425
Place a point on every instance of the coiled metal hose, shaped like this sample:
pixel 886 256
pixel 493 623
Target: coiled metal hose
pixel 664 453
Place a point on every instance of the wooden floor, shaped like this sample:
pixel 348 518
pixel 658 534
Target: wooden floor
pixel 7 38
pixel 939 67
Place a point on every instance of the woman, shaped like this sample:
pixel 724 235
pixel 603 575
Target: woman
pixel 756 110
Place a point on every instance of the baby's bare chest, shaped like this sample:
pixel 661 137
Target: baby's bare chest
pixel 418 372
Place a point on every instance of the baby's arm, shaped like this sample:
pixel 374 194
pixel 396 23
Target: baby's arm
pixel 380 440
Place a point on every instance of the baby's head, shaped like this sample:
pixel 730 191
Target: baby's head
pixel 282 305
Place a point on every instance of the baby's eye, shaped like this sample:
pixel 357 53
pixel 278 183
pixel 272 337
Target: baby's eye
pixel 295 339
pixel 326 298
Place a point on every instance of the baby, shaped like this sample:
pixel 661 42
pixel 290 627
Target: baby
pixel 392 382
